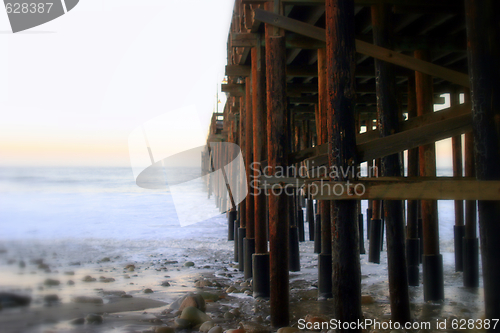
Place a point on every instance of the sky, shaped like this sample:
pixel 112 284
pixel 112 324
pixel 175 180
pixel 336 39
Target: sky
pixel 72 91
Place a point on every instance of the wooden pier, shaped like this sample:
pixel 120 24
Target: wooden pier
pixel 305 81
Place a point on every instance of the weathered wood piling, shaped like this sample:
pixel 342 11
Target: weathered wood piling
pixel 305 81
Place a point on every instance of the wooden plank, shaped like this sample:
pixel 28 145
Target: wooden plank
pixel 459 117
pixel 403 189
pixel 414 138
pixel 366 48
pixel 401 43
pixel 234 89
pixel 238 70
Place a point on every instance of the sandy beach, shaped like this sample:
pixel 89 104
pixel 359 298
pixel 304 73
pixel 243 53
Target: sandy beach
pixel 136 286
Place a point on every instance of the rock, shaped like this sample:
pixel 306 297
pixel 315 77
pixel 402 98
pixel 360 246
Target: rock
pixel 206 326
pixel 194 316
pixel 93 319
pixel 51 282
pixel 210 297
pixel 203 283
pixel 87 299
pixel 238 330
pixel 126 296
pixel 22 264
pixel 71 282
pixel 106 280
pixel 288 330
pixel 69 273
pixel 252 327
pixel 10 300
pixel 88 278
pixel 50 299
pixel 235 312
pixel 231 289
pixel 105 259
pixel 77 321
pixel 316 322
pixel 215 329
pixel 43 266
pixel 165 329
pixel 126 276
pixel 130 268
pixel 228 315
pixel 165 284
pixel 148 291
pixel 194 300
pixel 189 264
pixel 367 299
pixel 113 292
pixel 182 323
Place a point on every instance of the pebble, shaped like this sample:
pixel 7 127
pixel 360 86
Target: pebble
pixel 165 284
pixel 77 321
pixel 50 299
pixel 228 315
pixel 105 259
pixel 367 299
pixel 194 300
pixel 51 282
pixel 182 323
pixel 194 316
pixel 165 329
pixel 235 312
pixel 203 283
pixel 231 289
pixel 288 330
pixel 215 329
pixel 113 292
pixel 69 273
pixel 148 291
pixel 189 264
pixel 9 300
pixel 43 266
pixel 93 319
pixel 126 296
pixel 71 282
pixel 88 278
pixel 22 264
pixel 252 327
pixel 206 326
pixel 87 299
pixel 106 280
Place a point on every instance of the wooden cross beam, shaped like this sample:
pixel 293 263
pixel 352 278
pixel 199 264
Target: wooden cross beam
pixel 415 132
pixel 365 48
pixel 406 189
pixel 388 188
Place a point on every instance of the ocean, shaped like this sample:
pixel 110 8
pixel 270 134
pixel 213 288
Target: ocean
pixel 45 203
